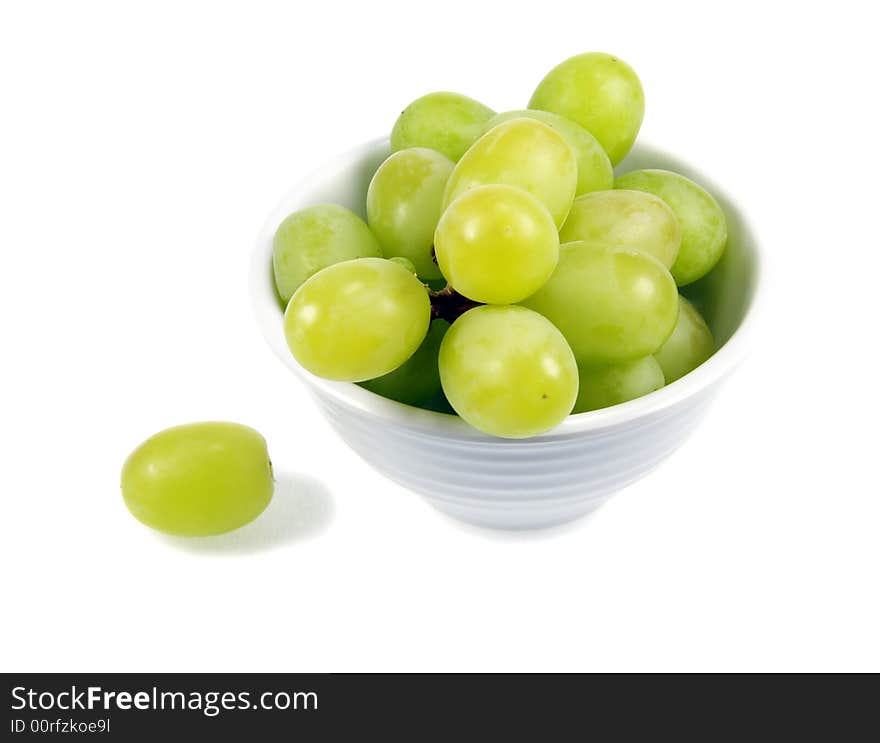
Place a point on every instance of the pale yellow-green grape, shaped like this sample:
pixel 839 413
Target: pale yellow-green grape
pixel 507 371
pixel 357 320
pixel 601 93
pixel 446 122
pixel 496 244
pixel 525 153
pixel 611 304
pixel 404 204
pixel 594 168
pixel 417 381
pixel 702 222
pixel 628 219
pixel 314 238
pixel 611 384
pixel 199 479
pixel 690 344
pixel 405 262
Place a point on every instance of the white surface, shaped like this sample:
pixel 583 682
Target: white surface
pixel 545 480
pixel 139 153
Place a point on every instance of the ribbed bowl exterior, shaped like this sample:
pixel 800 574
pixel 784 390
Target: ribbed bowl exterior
pixel 522 484
pixel 531 483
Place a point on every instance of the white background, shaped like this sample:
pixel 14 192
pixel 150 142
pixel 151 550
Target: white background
pixel 141 147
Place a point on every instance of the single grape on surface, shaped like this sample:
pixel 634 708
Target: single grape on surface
pixel 611 304
pixel 314 238
pixel 496 244
pixel 417 381
pixel 507 371
pixel 612 384
pixel 446 122
pixel 404 205
pixel 525 153
pixel 357 320
pixel 702 222
pixel 600 92
pixel 199 479
pixel 594 168
pixel 626 219
pixel 690 344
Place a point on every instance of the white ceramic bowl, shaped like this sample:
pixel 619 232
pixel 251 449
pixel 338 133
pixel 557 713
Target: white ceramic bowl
pixel 527 483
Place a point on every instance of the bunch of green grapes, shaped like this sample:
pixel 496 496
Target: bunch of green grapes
pixel 503 273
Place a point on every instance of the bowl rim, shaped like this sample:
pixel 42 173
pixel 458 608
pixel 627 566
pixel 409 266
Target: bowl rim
pixel 267 310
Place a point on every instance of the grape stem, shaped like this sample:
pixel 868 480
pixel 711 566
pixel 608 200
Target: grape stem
pixel 447 304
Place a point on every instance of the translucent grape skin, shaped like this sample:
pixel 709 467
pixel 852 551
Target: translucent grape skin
pixel 445 122
pixel 524 153
pixel 417 381
pixel 314 238
pixel 357 320
pixel 628 219
pixel 405 262
pixel 702 222
pixel 496 244
pixel 404 204
pixel 507 371
pixel 690 344
pixel 594 168
pixel 601 93
pixel 199 479
pixel 611 304
pixel 612 384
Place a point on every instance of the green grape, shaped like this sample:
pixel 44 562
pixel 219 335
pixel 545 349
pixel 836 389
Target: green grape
pixel 611 384
pixel 314 238
pixel 405 262
pixel 198 479
pixel 628 219
pixel 507 371
pixel 446 122
pixel 611 304
pixel 404 204
pixel 690 344
pixel 525 153
pixel 496 244
pixel 357 320
pixel 601 93
pixel 418 379
pixel 594 167
pixel 703 226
